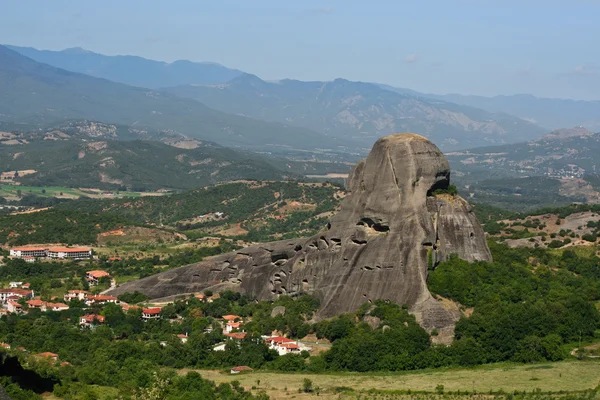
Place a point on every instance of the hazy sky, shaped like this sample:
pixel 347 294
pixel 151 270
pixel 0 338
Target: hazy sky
pixel 549 48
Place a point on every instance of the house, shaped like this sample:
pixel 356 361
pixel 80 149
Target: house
pixel 14 285
pixel 151 313
pixel 14 307
pixel 5 346
pixel 20 252
pixel 94 276
pixel 19 293
pixel 90 320
pixel 28 259
pixel 100 299
pixel 283 345
pixel 288 348
pixel 65 364
pixel 35 303
pixel 74 253
pixel 75 295
pixel 183 337
pixel 49 355
pixel 231 326
pixel 26 285
pixel 242 368
pixel 232 318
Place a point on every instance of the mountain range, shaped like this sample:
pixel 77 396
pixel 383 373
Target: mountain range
pixel 40 94
pixel 132 70
pixel 363 111
pixel 340 113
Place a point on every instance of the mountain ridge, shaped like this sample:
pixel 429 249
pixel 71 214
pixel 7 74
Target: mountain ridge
pixel 40 94
pixel 362 110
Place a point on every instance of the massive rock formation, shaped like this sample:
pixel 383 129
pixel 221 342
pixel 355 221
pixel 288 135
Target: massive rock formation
pixel 390 230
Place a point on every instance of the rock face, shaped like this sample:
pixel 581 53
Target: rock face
pixel 390 230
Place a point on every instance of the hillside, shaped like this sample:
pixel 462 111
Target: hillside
pixel 359 110
pixel 549 113
pixel 252 210
pixel 35 93
pixel 135 165
pixel 84 130
pixel 558 169
pixel 131 70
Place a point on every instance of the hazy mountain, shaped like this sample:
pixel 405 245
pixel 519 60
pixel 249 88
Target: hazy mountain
pixel 40 94
pixel 550 113
pixel 131 70
pixel 359 110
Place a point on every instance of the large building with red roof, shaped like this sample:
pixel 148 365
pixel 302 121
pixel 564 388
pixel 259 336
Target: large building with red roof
pixel 30 252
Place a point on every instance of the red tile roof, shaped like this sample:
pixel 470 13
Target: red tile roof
pixel 28 249
pixel 22 292
pixel 236 335
pixel 89 318
pixel 69 249
pixel 278 339
pixel 231 317
pixel 98 273
pixel 289 346
pixel 152 311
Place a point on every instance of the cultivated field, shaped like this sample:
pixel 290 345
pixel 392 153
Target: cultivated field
pixel 549 377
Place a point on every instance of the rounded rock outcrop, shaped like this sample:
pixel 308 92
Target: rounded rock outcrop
pixel 391 228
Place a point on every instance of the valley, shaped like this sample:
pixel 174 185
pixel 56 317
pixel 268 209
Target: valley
pixel 290 221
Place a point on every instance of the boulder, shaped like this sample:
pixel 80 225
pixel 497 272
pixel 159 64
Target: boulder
pixel 390 230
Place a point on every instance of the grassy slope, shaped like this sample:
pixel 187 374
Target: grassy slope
pixel 567 376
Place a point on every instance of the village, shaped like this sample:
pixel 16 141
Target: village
pixel 19 299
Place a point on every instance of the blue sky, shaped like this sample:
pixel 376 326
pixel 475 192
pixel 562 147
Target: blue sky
pixel 548 48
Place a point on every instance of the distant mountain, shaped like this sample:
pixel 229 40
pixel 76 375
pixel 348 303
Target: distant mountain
pixel 39 94
pixel 136 165
pixel 549 113
pixel 361 111
pixel 131 70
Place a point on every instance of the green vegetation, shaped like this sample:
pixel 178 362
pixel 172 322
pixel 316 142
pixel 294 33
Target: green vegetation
pixel 254 205
pixel 56 226
pixel 130 165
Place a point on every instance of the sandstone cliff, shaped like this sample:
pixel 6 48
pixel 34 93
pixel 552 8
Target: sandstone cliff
pixel 389 231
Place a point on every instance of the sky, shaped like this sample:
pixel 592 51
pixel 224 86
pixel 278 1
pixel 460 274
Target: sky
pixel 548 48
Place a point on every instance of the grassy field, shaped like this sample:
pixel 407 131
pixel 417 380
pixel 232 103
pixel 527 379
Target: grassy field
pixel 549 377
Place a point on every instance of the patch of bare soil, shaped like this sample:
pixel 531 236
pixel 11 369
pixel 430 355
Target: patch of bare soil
pixel 139 235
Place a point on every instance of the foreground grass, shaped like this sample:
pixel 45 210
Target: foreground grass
pixel 566 376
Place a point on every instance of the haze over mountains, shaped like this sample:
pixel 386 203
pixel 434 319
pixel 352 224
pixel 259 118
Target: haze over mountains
pixel 132 70
pixel 337 113
pixel 32 92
